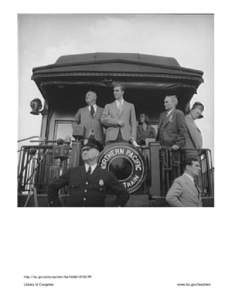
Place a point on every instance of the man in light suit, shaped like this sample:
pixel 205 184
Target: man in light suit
pixel 184 192
pixel 172 128
pixel 89 117
pixel 194 137
pixel 119 119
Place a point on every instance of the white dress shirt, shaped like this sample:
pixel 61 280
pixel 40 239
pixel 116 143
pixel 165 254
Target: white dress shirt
pixel 119 103
pixel 94 107
pixel 170 111
pixel 93 167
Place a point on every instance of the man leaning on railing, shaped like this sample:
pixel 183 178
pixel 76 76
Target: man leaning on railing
pixel 172 128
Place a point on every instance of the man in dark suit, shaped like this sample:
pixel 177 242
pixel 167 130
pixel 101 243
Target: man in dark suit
pixel 172 128
pixel 119 119
pixel 88 183
pixel 184 191
pixel 89 117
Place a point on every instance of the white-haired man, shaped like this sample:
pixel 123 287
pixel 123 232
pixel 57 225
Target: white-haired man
pixel 89 117
pixel 172 128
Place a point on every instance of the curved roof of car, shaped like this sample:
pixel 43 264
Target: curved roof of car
pixel 134 70
pixel 132 63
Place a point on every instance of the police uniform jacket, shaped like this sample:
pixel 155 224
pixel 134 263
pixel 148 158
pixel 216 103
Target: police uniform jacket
pixel 87 189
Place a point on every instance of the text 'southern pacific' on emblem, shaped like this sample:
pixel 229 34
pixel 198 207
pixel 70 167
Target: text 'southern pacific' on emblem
pixel 126 163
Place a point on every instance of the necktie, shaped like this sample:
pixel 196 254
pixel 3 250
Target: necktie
pixel 89 170
pixel 197 187
pixel 92 110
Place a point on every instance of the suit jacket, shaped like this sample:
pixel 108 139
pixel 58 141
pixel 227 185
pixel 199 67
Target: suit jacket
pixel 172 130
pixel 184 192
pixel 87 190
pixel 91 124
pixel 110 117
pixel 194 136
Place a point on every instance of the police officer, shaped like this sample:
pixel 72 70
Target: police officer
pixel 88 183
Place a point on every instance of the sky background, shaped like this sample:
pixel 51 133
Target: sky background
pixel 43 38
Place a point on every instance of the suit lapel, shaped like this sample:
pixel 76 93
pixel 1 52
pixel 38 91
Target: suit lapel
pixel 87 111
pixel 192 186
pixel 168 119
pixel 123 108
pixel 116 108
pixel 97 112
pixel 164 120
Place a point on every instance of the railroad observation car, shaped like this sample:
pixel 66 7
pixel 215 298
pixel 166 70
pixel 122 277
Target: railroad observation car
pixel 148 171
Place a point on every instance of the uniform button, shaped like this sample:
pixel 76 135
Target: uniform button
pixel 86 182
pixel 84 198
pixel 85 191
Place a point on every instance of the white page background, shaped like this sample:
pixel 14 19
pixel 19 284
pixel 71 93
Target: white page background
pixel 131 253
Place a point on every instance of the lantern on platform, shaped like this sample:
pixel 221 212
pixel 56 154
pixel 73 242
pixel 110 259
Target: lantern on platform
pixel 36 106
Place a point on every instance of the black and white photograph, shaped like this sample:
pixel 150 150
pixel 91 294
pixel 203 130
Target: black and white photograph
pixel 116 113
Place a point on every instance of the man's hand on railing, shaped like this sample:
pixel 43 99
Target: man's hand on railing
pixel 175 147
pixel 134 143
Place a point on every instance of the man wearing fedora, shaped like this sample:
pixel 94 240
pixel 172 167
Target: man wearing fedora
pixel 88 183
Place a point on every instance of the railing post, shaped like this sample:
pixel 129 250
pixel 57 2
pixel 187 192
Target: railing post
pixel 155 170
pixel 75 154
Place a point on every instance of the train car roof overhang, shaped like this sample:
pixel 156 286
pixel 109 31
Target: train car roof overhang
pixel 103 69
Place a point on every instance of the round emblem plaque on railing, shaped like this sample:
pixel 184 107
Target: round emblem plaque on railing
pixel 126 163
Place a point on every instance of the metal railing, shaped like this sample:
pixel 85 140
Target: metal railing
pixel 38 167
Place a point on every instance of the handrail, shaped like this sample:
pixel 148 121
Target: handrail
pixel 28 138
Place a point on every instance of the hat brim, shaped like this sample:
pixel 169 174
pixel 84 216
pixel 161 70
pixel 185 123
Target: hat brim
pixel 88 147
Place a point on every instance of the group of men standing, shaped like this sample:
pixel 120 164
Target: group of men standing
pixel 175 130
pixel 89 183
pixel 179 131
pixel 118 118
